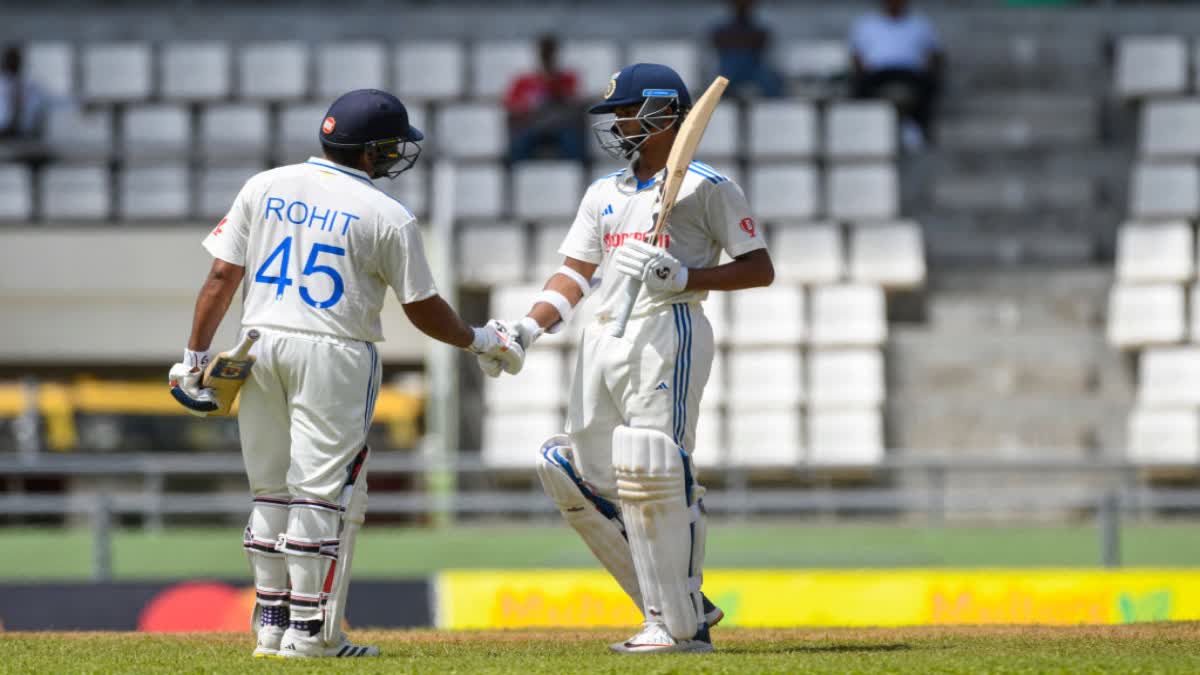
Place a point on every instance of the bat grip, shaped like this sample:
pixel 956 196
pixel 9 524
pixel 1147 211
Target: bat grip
pixel 629 295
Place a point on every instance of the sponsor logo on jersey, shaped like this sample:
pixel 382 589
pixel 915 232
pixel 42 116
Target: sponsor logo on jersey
pixel 615 239
pixel 328 125
pixel 220 227
pixel 608 210
pixel 747 226
pixel 662 386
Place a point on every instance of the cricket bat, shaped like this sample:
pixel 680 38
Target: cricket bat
pixel 683 149
pixel 227 373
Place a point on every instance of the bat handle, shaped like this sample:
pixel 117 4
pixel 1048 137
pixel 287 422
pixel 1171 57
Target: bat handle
pixel 629 295
pixel 247 342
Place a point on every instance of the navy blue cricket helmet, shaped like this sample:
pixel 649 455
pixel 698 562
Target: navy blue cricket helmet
pixel 663 99
pixel 377 122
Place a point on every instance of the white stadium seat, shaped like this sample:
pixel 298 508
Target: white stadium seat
pixel 1170 128
pixel 75 193
pixel 845 378
pixel 547 238
pixel 273 71
pixel 1155 252
pixel 766 438
pixel 492 254
pixel 722 136
pixel 784 192
pixel 716 387
pixel 479 191
pixel 845 437
pixel 710 450
pixel 544 370
pixel 51 65
pixel 16 192
pixel 814 58
pixel 860 129
pixel 680 55
pixel 1164 436
pixel 765 379
pixel 716 310
pixel 234 132
pixel 891 255
pixel 813 253
pixel 298 134
pixel 495 64
pixel 1162 191
pixel 344 66
pixel 116 71
pixel 511 440
pixel 1169 376
pixel 1194 312
pixel 849 315
pixel 196 71
pixel 158 192
pixel 218 185
pixel 593 61
pixel 782 130
pixel 471 131
pixel 773 315
pixel 1151 314
pixel 411 189
pixel 547 190
pixel 156 132
pixel 863 192
pixel 74 134
pixel 1151 66
pixel 429 70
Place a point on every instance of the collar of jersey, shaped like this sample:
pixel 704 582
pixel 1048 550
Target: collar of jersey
pixel 334 166
pixel 630 179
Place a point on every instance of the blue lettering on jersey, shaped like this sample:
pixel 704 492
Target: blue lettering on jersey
pixel 302 213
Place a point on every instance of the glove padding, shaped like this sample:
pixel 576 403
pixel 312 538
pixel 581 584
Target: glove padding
pixel 499 348
pixel 527 330
pixel 660 271
pixel 185 387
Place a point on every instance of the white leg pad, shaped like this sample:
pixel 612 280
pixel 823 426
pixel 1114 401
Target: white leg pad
pixel 268 519
pixel 354 513
pixel 309 545
pixel 652 485
pixel 594 518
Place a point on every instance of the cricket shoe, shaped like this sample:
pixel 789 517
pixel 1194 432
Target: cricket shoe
pixel 298 644
pixel 712 613
pixel 654 638
pixel 269 638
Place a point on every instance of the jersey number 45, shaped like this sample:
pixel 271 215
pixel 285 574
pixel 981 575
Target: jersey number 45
pixel 283 253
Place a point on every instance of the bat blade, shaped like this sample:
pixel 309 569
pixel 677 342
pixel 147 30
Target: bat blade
pixel 227 373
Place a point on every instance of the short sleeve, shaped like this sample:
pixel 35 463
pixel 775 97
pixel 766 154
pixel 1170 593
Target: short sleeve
pixel 729 217
pixel 404 265
pixel 227 240
pixel 584 240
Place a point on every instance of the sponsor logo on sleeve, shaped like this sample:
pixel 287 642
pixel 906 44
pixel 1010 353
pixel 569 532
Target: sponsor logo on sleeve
pixel 747 226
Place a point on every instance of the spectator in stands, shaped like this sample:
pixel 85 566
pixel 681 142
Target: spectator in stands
pixel 545 116
pixel 897 56
pixel 742 47
pixel 22 101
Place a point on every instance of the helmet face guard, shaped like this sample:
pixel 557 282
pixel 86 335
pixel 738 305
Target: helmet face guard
pixel 657 114
pixel 392 156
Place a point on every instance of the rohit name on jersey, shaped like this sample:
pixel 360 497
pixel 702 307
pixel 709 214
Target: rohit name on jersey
pixel 298 212
pixel 615 239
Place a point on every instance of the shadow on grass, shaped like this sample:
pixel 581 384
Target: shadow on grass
pixel 809 648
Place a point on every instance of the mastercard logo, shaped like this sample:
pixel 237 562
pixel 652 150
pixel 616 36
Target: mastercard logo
pixel 328 125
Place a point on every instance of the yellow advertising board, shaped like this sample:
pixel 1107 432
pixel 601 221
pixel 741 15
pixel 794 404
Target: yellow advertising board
pixel 586 598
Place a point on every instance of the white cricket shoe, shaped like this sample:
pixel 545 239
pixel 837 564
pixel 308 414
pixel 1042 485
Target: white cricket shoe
pixel 654 638
pixel 298 644
pixel 269 638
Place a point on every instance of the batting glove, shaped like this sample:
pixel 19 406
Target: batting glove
pixel 184 380
pixel 660 271
pixel 496 344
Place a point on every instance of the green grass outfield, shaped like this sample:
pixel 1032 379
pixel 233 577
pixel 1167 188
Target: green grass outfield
pixel 393 552
pixel 1158 648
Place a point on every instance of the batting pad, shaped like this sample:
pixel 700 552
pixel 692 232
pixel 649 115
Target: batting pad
pixel 594 518
pixel 651 483
pixel 354 513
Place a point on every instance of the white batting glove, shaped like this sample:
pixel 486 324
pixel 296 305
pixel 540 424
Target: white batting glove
pixel 527 330
pixel 500 344
pixel 660 271
pixel 184 380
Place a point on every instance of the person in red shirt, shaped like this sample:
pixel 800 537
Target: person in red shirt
pixel 545 118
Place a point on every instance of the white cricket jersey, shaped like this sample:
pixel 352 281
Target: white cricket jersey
pixel 711 214
pixel 321 245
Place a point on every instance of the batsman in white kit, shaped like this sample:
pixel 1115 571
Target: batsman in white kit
pixel 622 475
pixel 321 245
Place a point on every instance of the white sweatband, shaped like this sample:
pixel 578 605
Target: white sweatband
pixel 558 300
pixel 193 359
pixel 580 281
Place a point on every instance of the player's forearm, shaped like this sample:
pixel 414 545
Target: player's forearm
pixel 212 303
pixel 570 287
pixel 434 317
pixel 751 270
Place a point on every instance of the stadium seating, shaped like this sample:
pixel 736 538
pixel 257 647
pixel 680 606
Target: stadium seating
pixel 769 378
pixel 766 438
pixel 782 130
pixel 470 131
pixel 1150 314
pixel 491 254
pixel 218 186
pixel 710 450
pixel 888 255
pixel 118 71
pixel 411 188
pixel 812 253
pixel 480 191
pixel 863 192
pixel 681 54
pixel 547 190
pixel 511 439
pixel 594 61
pixel 1155 252
pixel 784 191
pixel 1165 191
pixel 848 315
pixel 546 258
pixel 350 65
pixel 860 130
pixel 1151 66
pixel 196 71
pixel 157 193
pixel 75 193
pixel 1169 377
pixel 155 132
pixel 513 394
pixel 1170 128
pixel 1169 436
pixel 844 436
pixel 273 71
pixel 845 378
pixel 52 65
pixel 296 136
pixel 429 70
pixel 494 65
pixel 78 135
pixel 16 193
pixel 722 137
pixel 232 132
pixel 768 316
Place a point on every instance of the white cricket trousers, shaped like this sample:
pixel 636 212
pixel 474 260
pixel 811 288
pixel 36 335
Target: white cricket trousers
pixel 305 411
pixel 652 378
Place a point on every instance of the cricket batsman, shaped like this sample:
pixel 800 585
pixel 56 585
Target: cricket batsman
pixel 622 475
pixel 318 245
